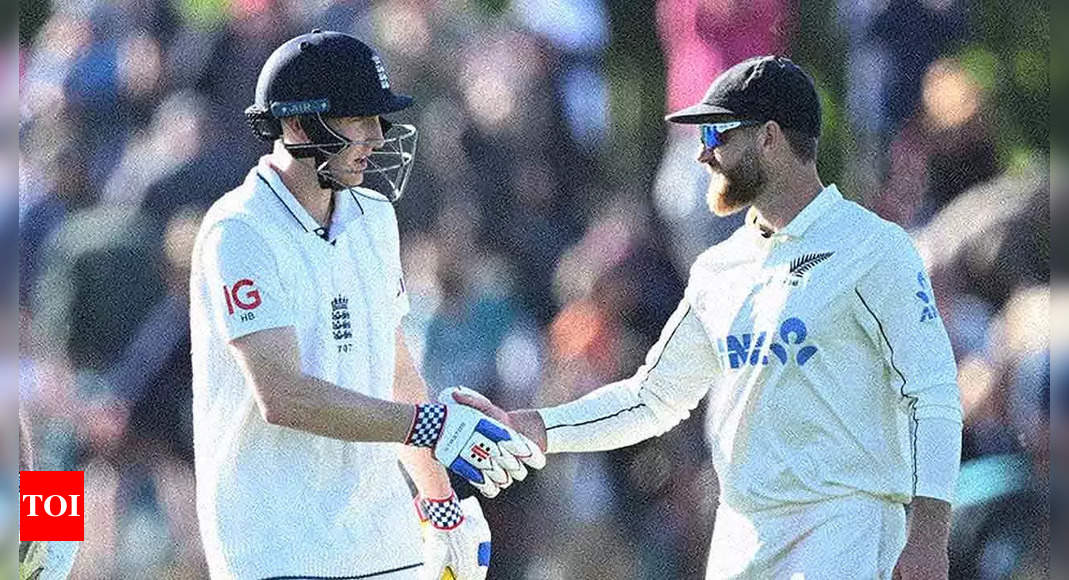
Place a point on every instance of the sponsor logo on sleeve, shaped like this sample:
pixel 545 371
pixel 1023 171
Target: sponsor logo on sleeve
pixel 242 298
pixel 926 298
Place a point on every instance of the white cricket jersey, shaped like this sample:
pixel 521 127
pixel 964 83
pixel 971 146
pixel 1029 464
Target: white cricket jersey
pixel 274 501
pixel 827 366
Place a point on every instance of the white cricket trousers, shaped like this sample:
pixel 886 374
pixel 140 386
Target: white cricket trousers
pixel 853 537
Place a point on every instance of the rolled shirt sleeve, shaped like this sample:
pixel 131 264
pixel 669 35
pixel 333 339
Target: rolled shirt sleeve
pixel 899 311
pixel 677 373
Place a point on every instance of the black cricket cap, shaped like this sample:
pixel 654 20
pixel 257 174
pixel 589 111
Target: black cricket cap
pixel 763 88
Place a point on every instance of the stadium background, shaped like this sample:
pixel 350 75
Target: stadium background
pixel 546 235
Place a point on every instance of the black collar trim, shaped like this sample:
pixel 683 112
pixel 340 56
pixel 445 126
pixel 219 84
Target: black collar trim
pixel 282 201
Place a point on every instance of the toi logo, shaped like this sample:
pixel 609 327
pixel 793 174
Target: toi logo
pixel 51 506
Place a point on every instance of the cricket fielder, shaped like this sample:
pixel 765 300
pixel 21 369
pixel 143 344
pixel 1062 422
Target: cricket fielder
pixel 303 387
pixel 832 395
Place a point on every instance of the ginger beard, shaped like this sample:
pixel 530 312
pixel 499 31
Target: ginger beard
pixel 734 188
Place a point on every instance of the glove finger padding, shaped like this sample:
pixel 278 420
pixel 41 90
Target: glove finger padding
pixel 474 563
pixel 520 446
pixel 488 489
pixel 526 451
pixel 456 539
pixel 473 445
pixel 511 464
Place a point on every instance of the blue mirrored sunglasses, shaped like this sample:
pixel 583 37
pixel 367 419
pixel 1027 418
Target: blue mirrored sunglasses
pixel 713 133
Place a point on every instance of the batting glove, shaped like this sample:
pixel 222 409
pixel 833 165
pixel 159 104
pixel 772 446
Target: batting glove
pixel 480 449
pixel 456 539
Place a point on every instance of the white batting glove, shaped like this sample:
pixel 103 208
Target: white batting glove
pixel 478 448
pixel 456 539
pixel 520 450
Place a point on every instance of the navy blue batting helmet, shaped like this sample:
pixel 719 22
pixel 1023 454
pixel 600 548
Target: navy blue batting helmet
pixel 326 74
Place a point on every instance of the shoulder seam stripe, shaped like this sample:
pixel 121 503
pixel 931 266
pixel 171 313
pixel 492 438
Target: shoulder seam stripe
pixel 668 340
pixel 901 390
pixel 358 204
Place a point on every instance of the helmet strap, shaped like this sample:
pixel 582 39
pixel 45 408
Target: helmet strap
pixel 323 144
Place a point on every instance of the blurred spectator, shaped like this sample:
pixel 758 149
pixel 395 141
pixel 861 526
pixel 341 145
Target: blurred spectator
pixel 473 319
pixel 944 150
pixel 153 373
pixel 50 192
pixel 97 284
pixel 700 39
pixel 577 30
pixel 1001 520
pixel 172 139
pixel 891 44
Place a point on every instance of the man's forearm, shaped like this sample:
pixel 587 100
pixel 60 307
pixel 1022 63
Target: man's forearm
pixel 675 376
pixel 288 397
pixel 316 406
pixel 427 474
pixel 617 415
pixel 929 521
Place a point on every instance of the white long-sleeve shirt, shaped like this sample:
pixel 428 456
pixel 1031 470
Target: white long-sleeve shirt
pixel 827 366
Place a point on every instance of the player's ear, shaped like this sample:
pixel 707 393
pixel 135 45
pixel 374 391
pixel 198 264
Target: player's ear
pixel 773 139
pixel 769 135
pixel 292 131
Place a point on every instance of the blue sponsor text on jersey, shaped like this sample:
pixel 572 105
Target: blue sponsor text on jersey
pixel 736 351
pixel 927 298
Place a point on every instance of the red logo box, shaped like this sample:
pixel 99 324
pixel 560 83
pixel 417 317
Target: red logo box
pixel 51 506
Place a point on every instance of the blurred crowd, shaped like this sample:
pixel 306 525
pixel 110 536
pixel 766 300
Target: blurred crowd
pixel 546 234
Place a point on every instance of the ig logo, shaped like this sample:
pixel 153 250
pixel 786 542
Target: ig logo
pixel 237 295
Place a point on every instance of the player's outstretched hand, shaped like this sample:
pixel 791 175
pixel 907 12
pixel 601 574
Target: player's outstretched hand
pixel 456 539
pixel 477 447
pixel 526 422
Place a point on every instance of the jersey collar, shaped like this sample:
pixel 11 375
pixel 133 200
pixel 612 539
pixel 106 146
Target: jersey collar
pixel 269 177
pixel 347 208
pixel 346 205
pixel 823 203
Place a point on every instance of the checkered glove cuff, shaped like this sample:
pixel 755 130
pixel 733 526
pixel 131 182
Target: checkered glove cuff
pixel 427 425
pixel 442 514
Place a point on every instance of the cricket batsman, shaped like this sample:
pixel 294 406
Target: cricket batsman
pixel 304 391
pixel 832 396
